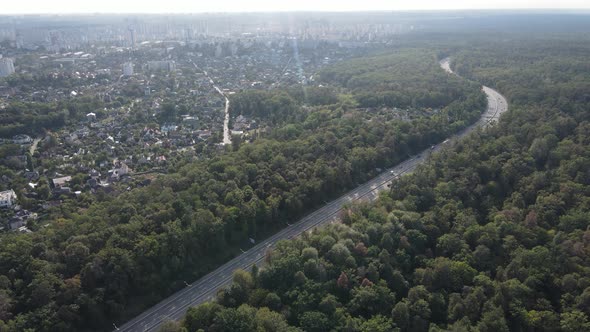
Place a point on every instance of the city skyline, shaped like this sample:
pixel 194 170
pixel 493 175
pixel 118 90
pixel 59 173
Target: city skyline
pixel 183 6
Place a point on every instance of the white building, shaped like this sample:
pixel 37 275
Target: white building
pixel 6 67
pixel 7 198
pixel 128 68
pixel 22 139
pixel 162 65
pixel 61 182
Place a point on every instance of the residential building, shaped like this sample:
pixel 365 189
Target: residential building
pixel 7 198
pixel 162 65
pixel 60 182
pixel 128 68
pixel 132 37
pixel 6 67
pixel 22 139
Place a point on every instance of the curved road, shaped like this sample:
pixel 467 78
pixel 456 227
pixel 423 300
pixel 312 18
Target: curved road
pixel 204 289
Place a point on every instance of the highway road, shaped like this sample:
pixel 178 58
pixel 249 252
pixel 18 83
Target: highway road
pixel 204 289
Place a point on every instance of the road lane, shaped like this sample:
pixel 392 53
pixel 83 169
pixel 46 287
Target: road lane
pixel 204 289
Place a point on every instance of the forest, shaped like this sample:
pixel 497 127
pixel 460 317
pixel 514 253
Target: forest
pixel 33 118
pixel 387 80
pixel 491 234
pixel 108 258
pixel 408 78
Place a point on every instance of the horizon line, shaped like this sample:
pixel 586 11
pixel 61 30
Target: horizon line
pixel 586 10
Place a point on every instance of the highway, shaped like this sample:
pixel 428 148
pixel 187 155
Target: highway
pixel 204 289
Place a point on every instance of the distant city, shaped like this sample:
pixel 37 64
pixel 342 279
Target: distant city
pixel 71 33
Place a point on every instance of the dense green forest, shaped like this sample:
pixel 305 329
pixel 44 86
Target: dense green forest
pixel 490 235
pixel 387 80
pixel 107 260
pixel 407 78
pixel 33 118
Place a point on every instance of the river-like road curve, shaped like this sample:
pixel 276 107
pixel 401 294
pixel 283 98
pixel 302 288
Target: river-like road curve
pixel 204 289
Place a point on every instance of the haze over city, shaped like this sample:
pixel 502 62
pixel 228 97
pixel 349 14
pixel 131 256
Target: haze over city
pixel 186 6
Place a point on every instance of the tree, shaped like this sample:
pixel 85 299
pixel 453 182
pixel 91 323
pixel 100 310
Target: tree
pixel 574 321
pixel 76 255
pixel 244 279
pixel 309 253
pixel 329 304
pixel 201 316
pixel 273 301
pixel 5 306
pixel 493 320
pixel 314 321
pixel 370 300
pixel 401 315
pixel 547 320
pixel 342 281
pixel 270 321
pixel 171 326
pixel 338 254
pixel 241 319
pixel 377 323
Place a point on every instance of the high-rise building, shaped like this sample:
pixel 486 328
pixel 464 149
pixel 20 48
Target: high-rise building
pixel 162 65
pixel 55 41
pixel 132 37
pixel 20 42
pixel 6 67
pixel 128 68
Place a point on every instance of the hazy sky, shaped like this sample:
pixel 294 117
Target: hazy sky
pixel 180 6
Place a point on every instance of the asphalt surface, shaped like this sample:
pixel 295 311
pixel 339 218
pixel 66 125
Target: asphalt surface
pixel 204 289
pixel 226 131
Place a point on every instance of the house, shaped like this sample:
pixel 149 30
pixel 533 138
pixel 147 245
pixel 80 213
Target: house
pixel 32 175
pixel 118 172
pixel 240 123
pixel 60 182
pixel 20 219
pixel 203 134
pixel 62 191
pixel 94 174
pixel 49 204
pixel 7 198
pixel 190 121
pixel 82 132
pixel 122 169
pixel 168 128
pixel 237 132
pixel 22 139
pixel 93 182
pixel 16 223
pixel 24 229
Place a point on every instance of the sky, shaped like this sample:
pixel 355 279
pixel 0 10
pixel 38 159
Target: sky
pixel 199 6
